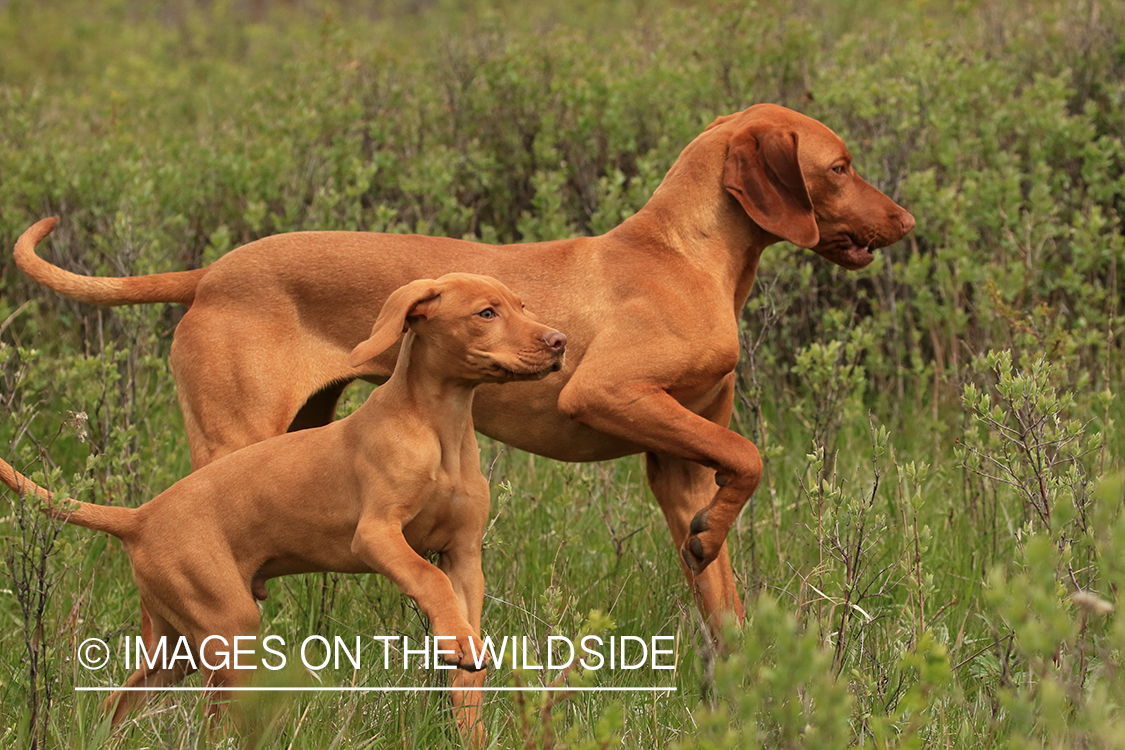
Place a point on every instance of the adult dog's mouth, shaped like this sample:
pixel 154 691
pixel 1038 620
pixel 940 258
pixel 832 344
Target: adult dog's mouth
pixel 846 252
pixel 856 256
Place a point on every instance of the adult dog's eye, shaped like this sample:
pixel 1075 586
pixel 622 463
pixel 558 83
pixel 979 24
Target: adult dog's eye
pixel 840 169
pixel 487 313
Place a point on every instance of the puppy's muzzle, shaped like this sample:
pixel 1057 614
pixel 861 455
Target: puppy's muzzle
pixel 556 342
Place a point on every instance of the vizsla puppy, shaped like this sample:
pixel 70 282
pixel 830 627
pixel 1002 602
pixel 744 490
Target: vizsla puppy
pixel 370 493
pixel 651 308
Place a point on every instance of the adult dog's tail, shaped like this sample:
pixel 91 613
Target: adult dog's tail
pixel 108 518
pixel 178 286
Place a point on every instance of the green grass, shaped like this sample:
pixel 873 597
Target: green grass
pixel 919 569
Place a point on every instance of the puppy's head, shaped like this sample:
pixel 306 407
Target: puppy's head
pixel 478 325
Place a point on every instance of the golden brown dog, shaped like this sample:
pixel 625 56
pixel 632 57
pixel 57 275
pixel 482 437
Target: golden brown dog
pixel 370 493
pixel 651 308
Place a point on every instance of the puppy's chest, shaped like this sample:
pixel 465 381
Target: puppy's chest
pixel 455 510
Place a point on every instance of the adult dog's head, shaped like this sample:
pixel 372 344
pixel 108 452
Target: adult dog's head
pixel 794 178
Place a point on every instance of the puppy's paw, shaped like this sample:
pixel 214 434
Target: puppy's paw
pixel 465 651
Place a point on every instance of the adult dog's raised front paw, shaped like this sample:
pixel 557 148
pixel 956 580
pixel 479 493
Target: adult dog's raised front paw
pixel 702 545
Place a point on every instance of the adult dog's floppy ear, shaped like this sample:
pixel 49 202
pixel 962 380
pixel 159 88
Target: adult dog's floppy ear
pixel 762 171
pixel 405 302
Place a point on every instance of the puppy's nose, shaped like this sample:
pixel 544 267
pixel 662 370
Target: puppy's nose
pixel 555 340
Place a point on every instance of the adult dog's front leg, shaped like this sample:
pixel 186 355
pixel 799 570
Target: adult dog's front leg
pixel 653 420
pixel 682 488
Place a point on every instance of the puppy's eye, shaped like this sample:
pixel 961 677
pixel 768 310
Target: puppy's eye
pixel 487 313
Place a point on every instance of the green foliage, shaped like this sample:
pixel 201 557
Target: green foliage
pixel 1062 676
pixel 1028 440
pixel 932 558
pixel 777 691
pixel 538 718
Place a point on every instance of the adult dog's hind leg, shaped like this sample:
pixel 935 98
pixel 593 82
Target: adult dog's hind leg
pixel 320 408
pixel 231 392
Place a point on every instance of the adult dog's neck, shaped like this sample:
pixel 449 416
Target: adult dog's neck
pixel 691 214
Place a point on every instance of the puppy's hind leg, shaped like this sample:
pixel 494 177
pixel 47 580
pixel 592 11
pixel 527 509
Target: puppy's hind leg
pixel 161 673
pixel 226 643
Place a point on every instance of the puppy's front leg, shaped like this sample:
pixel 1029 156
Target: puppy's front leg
pixel 463 567
pixel 381 546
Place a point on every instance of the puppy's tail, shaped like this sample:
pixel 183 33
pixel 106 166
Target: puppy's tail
pixel 108 518
pixel 178 286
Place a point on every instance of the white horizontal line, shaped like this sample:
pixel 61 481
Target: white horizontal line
pixel 386 689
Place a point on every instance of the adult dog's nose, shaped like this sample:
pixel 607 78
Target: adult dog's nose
pixel 555 340
pixel 907 222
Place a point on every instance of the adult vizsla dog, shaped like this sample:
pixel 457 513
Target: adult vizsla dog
pixel 651 308
pixel 398 478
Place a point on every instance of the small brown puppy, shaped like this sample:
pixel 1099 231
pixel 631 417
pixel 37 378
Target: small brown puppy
pixel 370 493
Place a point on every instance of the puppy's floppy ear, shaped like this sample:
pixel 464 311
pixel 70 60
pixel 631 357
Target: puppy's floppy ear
pixel 405 302
pixel 763 173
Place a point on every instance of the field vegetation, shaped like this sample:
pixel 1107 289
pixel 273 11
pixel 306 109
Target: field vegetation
pixel 935 553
